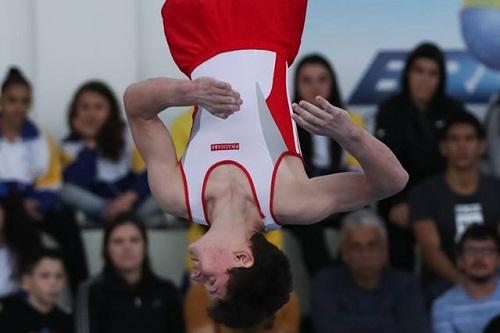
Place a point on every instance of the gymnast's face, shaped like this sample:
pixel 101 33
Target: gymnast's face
pixel 314 80
pixel 212 263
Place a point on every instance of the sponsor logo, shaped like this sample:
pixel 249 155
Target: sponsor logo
pixel 224 146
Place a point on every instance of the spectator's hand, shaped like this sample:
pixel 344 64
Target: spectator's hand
pixel 217 97
pixel 31 207
pixel 324 119
pixel 399 215
pixel 120 205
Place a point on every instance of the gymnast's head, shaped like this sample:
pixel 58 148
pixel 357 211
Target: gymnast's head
pixel 247 279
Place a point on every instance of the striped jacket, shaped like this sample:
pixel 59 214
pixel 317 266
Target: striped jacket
pixel 30 166
pixel 88 169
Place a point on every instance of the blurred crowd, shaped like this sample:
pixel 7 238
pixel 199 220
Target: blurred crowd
pixel 424 260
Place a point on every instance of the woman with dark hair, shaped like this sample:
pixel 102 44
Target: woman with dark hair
pixel 30 169
pixel 408 123
pixel 127 296
pixel 104 174
pixel 314 76
pixel 19 242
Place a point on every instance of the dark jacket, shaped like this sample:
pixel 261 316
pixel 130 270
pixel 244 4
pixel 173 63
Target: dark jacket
pixel 413 137
pixel 306 147
pixel 339 305
pixel 107 304
pixel 18 316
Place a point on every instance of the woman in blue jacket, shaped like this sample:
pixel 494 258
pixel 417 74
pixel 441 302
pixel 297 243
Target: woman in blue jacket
pixel 104 174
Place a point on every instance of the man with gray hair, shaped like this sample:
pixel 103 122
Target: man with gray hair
pixel 363 294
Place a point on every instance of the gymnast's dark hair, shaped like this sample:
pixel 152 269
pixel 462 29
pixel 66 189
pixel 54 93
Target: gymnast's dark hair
pixel 14 77
pixel 111 136
pixel 254 294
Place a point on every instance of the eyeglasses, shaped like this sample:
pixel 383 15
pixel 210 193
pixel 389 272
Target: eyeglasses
pixel 485 251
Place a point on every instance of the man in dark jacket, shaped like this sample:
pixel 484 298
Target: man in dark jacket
pixel 408 123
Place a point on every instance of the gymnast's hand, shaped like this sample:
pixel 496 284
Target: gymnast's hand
pixel 217 97
pixel 324 119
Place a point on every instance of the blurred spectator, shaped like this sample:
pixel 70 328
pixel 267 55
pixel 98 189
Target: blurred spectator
pixel 365 295
pixel 104 174
pixel 492 123
pixel 314 76
pixel 19 242
pixel 30 168
pixel 444 206
pixel 127 296
pixel 197 301
pixel 493 325
pixel 286 320
pixel 469 307
pixel 408 124
pixel 36 311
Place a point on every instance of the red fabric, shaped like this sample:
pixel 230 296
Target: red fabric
pixel 279 106
pixel 197 30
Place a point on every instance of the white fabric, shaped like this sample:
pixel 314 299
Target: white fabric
pixel 250 72
pixel 321 157
pixel 24 161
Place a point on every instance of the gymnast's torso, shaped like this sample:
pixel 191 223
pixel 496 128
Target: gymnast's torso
pixel 249 44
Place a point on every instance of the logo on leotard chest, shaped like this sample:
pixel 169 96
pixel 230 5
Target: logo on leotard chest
pixel 225 146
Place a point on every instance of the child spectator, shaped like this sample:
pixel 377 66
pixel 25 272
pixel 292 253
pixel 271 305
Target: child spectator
pixel 43 281
pixel 30 168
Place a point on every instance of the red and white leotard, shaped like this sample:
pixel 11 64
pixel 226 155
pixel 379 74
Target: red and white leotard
pixel 249 44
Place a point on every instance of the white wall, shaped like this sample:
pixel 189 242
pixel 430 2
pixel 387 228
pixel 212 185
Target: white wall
pixel 62 43
pixel 17 36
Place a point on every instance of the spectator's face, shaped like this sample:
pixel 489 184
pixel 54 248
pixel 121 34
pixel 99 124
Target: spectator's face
pixel 479 260
pixel 92 111
pixel 423 80
pixel 46 281
pixel 461 147
pixel 15 104
pixel 314 80
pixel 126 248
pixel 364 251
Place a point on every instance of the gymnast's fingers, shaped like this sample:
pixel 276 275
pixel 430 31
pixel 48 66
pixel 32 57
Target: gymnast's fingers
pixel 326 106
pixel 307 116
pixel 304 124
pixel 314 110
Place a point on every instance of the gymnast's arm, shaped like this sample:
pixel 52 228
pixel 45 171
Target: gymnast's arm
pixel 382 175
pixel 144 101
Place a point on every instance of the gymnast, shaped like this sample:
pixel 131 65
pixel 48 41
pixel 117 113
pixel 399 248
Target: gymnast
pixel 242 172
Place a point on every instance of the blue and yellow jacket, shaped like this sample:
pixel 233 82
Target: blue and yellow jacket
pixel 88 169
pixel 30 167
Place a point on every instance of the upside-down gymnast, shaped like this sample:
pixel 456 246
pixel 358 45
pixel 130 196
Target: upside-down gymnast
pixel 242 172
